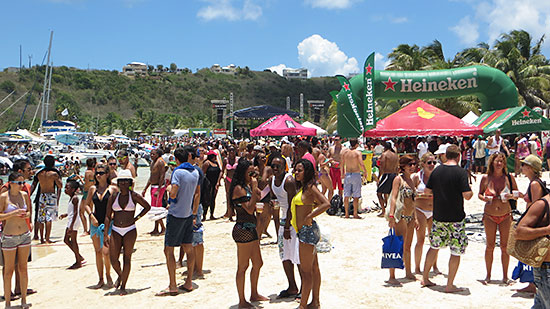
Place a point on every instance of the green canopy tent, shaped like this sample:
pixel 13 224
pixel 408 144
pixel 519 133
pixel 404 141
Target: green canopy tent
pixel 514 120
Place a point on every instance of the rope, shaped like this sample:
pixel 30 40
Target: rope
pixel 7 97
pixel 34 117
pixel 13 103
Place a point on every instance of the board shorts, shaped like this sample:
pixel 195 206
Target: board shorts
pixel 178 231
pixel 479 162
pixel 12 242
pixel 386 182
pixel 336 178
pixel 352 185
pixel 47 207
pixel 452 234
pixel 288 248
pixel 157 201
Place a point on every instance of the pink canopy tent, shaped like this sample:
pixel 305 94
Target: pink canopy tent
pixel 281 125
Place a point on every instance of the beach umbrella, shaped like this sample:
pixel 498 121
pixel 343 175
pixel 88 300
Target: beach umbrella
pixel 67 139
pixel 6 161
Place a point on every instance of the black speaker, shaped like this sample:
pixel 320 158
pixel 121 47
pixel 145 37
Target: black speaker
pixel 219 115
pixel 317 115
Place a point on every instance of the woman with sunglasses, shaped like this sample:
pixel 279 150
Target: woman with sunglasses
pixel 15 212
pixel 244 194
pixel 401 214
pixel 495 189
pixel 424 207
pixel 307 204
pixel 96 208
pixel 120 210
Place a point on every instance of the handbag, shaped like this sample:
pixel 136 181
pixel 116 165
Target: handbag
pixel 531 252
pixel 392 251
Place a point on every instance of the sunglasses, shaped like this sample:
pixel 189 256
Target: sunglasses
pixel 411 164
pixel 124 180
pixel 251 174
pixel 18 182
pixel 431 162
pixel 112 164
pixel 122 158
pixel 100 173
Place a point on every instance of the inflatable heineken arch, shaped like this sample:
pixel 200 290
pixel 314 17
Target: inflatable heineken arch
pixel 355 101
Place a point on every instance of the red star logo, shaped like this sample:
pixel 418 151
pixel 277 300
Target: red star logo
pixel 369 69
pixel 389 84
pixel 346 86
pixel 525 113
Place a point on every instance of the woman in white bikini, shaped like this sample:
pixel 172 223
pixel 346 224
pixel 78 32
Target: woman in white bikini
pixel 16 235
pixel 120 210
pixel 401 214
pixel 495 189
pixel 424 208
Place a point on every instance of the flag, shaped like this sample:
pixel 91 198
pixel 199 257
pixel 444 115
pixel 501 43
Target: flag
pixel 65 112
pixel 368 92
pixel 353 119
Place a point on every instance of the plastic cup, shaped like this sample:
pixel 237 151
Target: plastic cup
pixel 259 208
pixel 503 196
pixel 276 205
pixel 490 198
pixel 516 193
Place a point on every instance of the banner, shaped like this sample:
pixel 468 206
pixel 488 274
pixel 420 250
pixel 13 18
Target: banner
pixel 350 122
pixel 368 92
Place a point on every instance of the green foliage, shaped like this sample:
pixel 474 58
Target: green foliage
pixel 8 86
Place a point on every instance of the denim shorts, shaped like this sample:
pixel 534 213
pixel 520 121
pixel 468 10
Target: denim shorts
pixel 542 282
pixel 310 234
pixel 12 242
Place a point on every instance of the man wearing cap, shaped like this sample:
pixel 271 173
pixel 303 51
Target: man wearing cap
pixel 479 157
pixel 184 203
pixel 156 181
pixel 449 185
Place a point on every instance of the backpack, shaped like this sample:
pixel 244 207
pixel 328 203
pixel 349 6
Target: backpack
pixel 336 204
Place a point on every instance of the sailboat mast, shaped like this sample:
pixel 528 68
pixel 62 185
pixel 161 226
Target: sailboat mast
pixel 49 91
pixel 43 115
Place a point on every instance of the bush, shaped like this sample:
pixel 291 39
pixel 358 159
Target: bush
pixel 8 86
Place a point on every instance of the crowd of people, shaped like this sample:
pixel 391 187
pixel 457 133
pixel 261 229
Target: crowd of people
pixel 421 188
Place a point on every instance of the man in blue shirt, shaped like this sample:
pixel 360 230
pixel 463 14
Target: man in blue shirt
pixel 183 206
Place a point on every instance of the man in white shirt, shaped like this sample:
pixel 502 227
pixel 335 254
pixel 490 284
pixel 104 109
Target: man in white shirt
pixel 479 158
pixel 422 147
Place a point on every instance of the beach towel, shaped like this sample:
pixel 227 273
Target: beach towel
pixel 392 251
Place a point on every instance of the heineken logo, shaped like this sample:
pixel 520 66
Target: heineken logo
pixel 355 109
pixel 368 69
pixel 389 85
pixel 526 113
pixel 370 102
pixel 346 86
pixel 522 122
pixel 447 84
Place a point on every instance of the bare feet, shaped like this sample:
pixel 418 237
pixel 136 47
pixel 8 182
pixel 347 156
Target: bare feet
pixel 411 276
pixel 530 288
pixel 258 297
pixel 246 305
pixel 393 282
pixel 346 217
pixel 99 285
pixel 485 281
pixel 426 283
pixel 109 282
pixel 122 292
pixel 453 289
pixel 313 305
pixel 357 217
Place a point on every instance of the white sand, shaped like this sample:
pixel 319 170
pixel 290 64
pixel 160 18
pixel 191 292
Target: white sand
pixel 351 273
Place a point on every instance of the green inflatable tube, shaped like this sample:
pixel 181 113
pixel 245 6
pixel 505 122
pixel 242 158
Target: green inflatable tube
pixel 494 89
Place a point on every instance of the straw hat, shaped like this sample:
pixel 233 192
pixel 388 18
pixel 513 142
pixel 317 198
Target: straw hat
pixel 124 174
pixel 534 162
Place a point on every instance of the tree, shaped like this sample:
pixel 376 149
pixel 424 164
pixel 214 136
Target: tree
pixel 150 68
pixel 160 67
pixel 173 67
pixel 407 58
pixel 8 86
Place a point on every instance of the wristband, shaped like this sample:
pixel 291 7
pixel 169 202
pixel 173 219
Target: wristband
pixel 391 216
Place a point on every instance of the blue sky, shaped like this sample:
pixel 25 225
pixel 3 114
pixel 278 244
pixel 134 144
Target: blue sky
pixel 326 36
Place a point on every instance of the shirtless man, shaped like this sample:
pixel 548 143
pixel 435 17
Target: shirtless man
pixel 156 181
pixel 389 166
pixel 50 191
pixel 112 161
pixel 287 151
pixel 89 180
pixel 351 166
pixel 495 143
pixel 125 163
pixel 335 153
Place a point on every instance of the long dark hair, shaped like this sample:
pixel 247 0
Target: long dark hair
pixel 309 174
pixel 107 171
pixel 239 177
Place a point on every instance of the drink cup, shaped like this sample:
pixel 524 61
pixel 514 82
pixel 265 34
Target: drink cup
pixel 276 205
pixel 503 196
pixel 516 193
pixel 259 208
pixel 490 198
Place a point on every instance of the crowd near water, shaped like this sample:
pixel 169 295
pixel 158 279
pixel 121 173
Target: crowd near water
pixel 421 187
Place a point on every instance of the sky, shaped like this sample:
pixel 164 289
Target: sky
pixel 327 37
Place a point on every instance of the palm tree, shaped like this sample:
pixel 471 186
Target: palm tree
pixel 407 58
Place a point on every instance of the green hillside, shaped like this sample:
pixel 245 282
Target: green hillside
pixel 102 101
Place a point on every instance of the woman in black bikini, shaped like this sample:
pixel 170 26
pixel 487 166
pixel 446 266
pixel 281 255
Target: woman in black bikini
pixel 307 204
pixel 213 173
pixel 228 168
pixel 244 194
pixel 96 208
pixel 401 213
pixel 121 209
pixel 15 212
pixel 495 189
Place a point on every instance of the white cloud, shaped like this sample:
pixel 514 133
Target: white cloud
pixel 398 20
pixel 278 68
pixel 467 31
pixel 380 62
pixel 324 58
pixel 226 9
pixel 330 4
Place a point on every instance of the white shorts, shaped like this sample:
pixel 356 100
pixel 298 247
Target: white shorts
pixel 288 248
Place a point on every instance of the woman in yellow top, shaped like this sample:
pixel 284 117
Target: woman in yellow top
pixel 306 205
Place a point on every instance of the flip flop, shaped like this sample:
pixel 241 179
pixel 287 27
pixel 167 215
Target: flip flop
pixel 167 292
pixel 29 292
pixel 285 294
pixel 181 287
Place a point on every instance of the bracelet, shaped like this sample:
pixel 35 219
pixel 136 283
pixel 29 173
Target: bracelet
pixel 391 216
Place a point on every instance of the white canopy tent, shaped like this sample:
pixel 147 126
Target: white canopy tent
pixel 320 131
pixel 470 117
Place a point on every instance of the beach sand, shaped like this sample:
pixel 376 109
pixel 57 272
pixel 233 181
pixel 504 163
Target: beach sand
pixel 351 273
